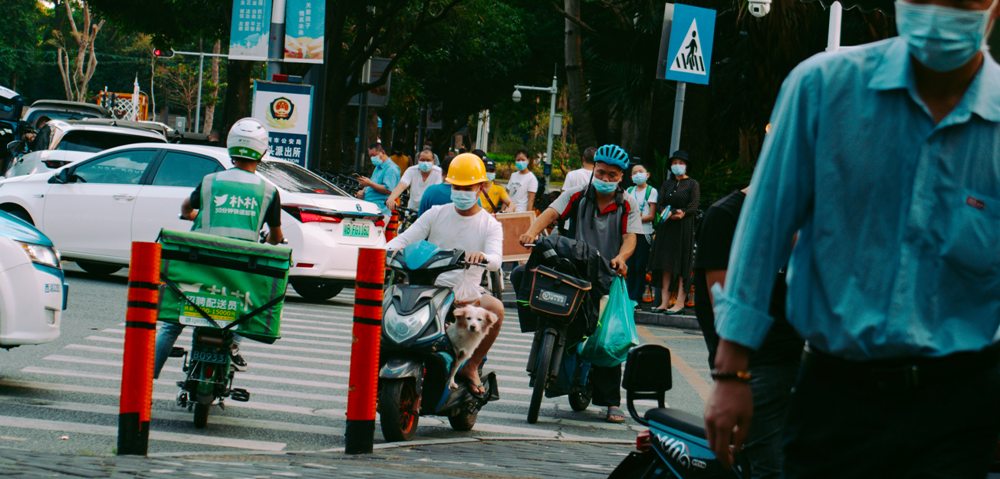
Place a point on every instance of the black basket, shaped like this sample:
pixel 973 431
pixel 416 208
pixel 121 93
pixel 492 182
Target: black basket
pixel 555 294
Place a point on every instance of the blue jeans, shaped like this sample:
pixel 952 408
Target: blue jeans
pixel 166 336
pixel 771 385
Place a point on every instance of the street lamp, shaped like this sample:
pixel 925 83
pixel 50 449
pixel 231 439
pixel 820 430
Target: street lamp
pixel 553 91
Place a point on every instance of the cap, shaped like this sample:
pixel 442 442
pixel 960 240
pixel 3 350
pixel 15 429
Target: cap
pixel 490 165
pixel 680 155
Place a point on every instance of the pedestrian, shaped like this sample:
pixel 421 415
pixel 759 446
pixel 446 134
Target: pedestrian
pixel 402 160
pixel 581 176
pixel 607 219
pixel 247 143
pixel 417 180
pixel 494 198
pixel 897 303
pixel 385 177
pixel 522 185
pixel 646 197
pixel 674 245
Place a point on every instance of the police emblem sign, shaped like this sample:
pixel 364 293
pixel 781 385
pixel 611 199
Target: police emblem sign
pixel 286 111
pixel 689 56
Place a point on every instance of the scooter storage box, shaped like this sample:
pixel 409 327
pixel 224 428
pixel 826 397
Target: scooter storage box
pixel 556 294
pixel 225 279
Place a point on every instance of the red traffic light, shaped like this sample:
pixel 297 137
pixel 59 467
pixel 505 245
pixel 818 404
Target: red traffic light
pixel 157 52
pixel 163 52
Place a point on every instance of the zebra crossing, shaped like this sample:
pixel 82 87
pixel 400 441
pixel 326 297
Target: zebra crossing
pixel 298 393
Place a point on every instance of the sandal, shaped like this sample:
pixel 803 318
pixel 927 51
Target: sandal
pixel 476 390
pixel 615 415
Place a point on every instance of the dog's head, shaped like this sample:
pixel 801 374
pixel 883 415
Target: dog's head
pixel 474 318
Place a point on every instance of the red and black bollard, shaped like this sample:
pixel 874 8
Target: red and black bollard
pixel 392 227
pixel 140 347
pixel 366 338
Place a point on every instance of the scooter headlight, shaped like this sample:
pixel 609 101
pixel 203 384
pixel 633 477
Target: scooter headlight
pixel 401 328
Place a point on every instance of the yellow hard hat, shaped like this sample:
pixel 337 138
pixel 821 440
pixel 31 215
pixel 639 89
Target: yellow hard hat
pixel 466 169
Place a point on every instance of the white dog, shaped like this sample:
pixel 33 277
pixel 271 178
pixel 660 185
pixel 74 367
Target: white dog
pixel 471 325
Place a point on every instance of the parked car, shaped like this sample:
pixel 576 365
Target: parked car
pixel 33 289
pixel 94 210
pixel 61 110
pixel 60 143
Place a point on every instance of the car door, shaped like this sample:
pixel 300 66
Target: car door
pixel 90 216
pixel 159 203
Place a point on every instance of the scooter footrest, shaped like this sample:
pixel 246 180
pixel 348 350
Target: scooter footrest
pixel 239 394
pixel 177 352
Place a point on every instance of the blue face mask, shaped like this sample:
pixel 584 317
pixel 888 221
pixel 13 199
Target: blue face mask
pixel 942 38
pixel 376 161
pixel 605 187
pixel 678 170
pixel 521 165
pixel 491 176
pixel 425 166
pixel 640 178
pixel 464 199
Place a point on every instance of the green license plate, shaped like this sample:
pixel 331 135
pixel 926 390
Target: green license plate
pixel 208 357
pixel 355 230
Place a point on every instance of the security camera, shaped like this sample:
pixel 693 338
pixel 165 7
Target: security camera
pixel 516 96
pixel 759 8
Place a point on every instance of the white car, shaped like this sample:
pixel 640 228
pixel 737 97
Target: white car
pixel 61 143
pixel 32 285
pixel 95 209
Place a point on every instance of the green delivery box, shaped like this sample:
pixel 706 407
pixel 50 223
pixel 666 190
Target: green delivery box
pixel 212 281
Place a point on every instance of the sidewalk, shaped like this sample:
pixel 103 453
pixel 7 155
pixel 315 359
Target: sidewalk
pixel 489 459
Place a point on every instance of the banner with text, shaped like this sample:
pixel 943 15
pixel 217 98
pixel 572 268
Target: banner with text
pixel 251 27
pixel 286 111
pixel 304 25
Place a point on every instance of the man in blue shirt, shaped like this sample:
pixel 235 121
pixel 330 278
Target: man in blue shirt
pixel 885 159
pixel 384 179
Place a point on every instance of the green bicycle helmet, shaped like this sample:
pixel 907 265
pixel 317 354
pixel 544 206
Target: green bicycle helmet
pixel 613 155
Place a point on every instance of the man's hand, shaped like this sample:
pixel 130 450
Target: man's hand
pixel 619 264
pixel 477 257
pixel 391 204
pixel 192 215
pixel 360 194
pixel 364 180
pixel 526 239
pixel 730 408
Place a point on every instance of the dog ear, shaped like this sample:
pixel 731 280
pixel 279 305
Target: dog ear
pixel 491 317
pixel 460 312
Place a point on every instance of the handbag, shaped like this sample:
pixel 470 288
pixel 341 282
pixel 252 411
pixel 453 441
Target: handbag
pixel 662 216
pixel 615 334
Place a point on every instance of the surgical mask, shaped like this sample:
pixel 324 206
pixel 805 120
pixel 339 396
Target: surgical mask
pixel 942 38
pixel 464 199
pixel 521 165
pixel 491 176
pixel 376 161
pixel 678 170
pixel 425 166
pixel 640 178
pixel 605 187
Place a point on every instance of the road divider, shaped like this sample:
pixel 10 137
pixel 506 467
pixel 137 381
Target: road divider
pixel 140 346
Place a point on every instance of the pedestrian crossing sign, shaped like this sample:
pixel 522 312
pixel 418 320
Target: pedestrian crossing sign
pixel 689 56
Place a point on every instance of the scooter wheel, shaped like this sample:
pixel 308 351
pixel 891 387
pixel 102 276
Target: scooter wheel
pixel 463 421
pixel 579 398
pixel 201 415
pixel 396 400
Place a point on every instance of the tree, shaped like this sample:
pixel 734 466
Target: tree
pixel 575 78
pixel 77 71
pixel 212 99
pixel 180 82
pixel 22 32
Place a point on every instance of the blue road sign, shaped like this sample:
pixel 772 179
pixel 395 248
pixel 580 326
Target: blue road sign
pixel 689 57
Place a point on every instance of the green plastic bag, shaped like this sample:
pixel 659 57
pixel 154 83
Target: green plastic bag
pixel 615 334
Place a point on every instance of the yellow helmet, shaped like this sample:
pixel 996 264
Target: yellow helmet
pixel 466 169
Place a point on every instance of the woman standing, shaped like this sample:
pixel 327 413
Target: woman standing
pixel 646 197
pixel 522 185
pixel 674 245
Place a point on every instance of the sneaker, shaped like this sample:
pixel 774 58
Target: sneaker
pixel 239 363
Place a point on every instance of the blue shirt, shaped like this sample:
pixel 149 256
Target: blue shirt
pixel 439 194
pixel 898 251
pixel 387 175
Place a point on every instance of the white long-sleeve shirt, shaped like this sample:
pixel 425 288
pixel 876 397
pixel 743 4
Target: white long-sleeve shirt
pixel 443 226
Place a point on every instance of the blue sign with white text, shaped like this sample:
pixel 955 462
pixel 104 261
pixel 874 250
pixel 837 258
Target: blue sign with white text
pixel 689 56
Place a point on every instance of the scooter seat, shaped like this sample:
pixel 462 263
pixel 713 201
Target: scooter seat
pixel 679 420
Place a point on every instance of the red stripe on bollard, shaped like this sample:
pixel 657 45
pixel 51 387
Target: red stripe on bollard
pixel 367 334
pixel 140 346
pixel 392 227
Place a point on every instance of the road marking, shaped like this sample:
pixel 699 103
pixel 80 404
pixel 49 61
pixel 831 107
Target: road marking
pixel 692 377
pixel 94 429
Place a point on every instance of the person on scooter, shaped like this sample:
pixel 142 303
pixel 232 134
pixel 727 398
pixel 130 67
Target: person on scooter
pixel 252 203
pixel 603 216
pixel 464 224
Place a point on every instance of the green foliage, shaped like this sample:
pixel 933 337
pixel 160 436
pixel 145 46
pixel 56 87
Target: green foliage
pixel 22 32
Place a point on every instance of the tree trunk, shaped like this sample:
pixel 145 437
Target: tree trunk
pixel 237 91
pixel 575 82
pixel 214 76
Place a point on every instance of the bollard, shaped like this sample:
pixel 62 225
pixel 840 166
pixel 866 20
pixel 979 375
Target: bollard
pixel 392 227
pixel 366 337
pixel 140 346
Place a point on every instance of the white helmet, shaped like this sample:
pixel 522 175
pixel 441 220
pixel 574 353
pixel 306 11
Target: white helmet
pixel 247 140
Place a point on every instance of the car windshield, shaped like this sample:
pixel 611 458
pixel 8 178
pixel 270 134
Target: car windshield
pixel 295 179
pixel 93 141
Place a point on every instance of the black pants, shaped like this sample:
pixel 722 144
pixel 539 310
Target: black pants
pixel 637 267
pixel 849 423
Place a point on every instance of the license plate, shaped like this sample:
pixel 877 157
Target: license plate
pixel 356 230
pixel 208 357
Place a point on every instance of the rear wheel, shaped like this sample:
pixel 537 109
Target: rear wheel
pixel 397 399
pixel 541 374
pixel 98 269
pixel 316 290
pixel 201 415
pixel 463 421
pixel 579 397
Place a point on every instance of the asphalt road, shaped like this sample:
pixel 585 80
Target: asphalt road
pixel 63 396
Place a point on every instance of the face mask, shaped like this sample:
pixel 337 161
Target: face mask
pixel 605 187
pixel 942 38
pixel 491 176
pixel 464 199
pixel 639 178
pixel 521 165
pixel 376 161
pixel 425 166
pixel 678 170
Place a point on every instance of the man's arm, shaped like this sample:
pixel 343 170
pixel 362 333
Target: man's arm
pixel 190 205
pixel 543 221
pixel 396 192
pixel 620 263
pixel 419 230
pixel 272 217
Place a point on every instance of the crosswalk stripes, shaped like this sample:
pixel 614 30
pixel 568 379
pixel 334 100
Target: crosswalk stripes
pixel 298 388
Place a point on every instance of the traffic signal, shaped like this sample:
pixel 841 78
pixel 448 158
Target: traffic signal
pixel 162 52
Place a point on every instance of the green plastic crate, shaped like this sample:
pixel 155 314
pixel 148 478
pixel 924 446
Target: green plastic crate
pixel 226 278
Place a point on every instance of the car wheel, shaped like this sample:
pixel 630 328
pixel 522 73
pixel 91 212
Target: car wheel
pixel 316 290
pixel 20 214
pixel 98 269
